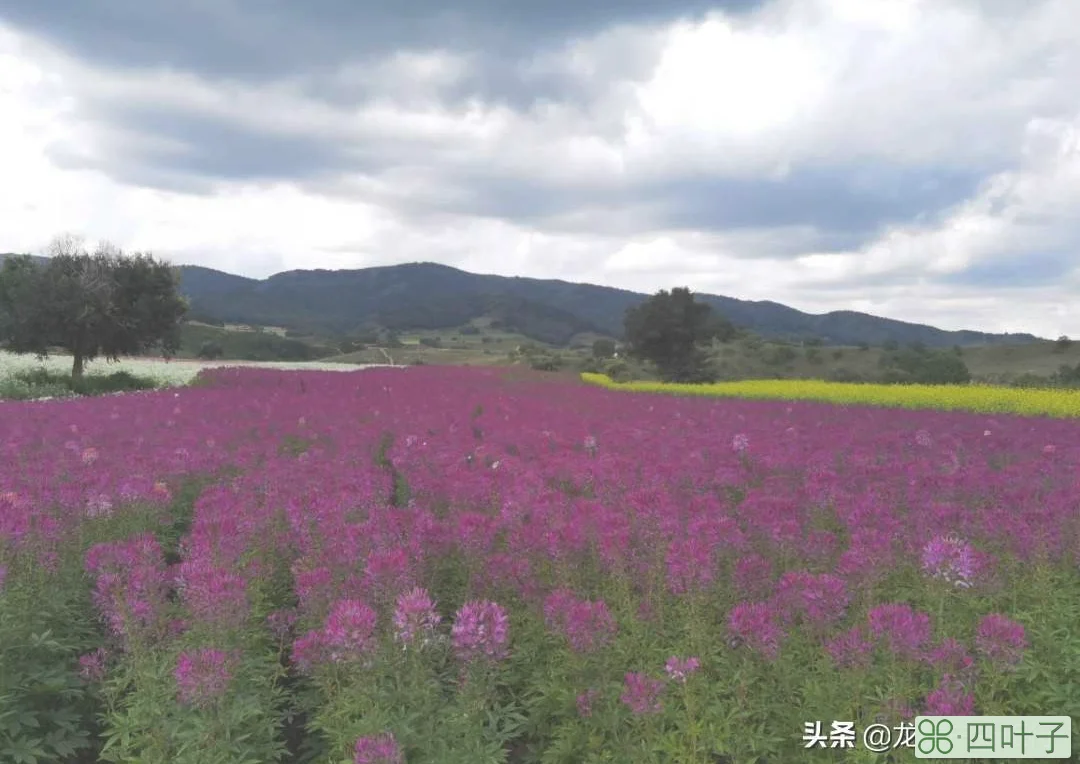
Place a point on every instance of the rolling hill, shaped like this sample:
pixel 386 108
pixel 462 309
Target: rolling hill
pixel 434 296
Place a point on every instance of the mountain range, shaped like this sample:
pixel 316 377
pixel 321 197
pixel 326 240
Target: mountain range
pixel 434 296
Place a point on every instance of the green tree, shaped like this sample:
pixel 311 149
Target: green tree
pixel 919 365
pixel 104 304
pixel 670 329
pixel 603 348
pixel 211 351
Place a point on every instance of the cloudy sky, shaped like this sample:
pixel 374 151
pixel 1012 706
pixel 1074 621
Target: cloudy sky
pixel 918 159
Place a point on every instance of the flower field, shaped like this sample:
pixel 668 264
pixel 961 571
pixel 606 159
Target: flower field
pixel 986 399
pixel 447 565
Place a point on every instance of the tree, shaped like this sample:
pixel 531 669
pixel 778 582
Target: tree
pixel 211 350
pixel 603 348
pixel 924 366
pixel 102 304
pixel 670 329
pixel 1062 343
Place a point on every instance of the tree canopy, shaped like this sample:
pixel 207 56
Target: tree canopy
pixel 670 329
pixel 100 304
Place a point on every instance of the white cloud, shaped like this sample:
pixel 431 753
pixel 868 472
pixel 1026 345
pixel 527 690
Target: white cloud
pixel 820 84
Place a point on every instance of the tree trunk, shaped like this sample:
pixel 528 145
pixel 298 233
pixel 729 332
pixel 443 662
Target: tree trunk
pixel 77 367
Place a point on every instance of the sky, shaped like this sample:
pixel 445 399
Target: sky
pixel 916 159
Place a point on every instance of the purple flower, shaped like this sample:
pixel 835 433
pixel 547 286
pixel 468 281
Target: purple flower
pixel 820 600
pixel 753 576
pixel 203 675
pixel 350 630
pixel 481 630
pixel 905 629
pixel 309 651
pixel 378 749
pixel 755 624
pixel 415 617
pixel 585 702
pixel 642 694
pixel 950 698
pixel 213 595
pixel 690 566
pixel 950 657
pixel 1001 640
pixel 587 625
pixel 678 669
pixel 951 560
pixel 850 649
pixel 92 665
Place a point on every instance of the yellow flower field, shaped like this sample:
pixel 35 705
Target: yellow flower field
pixel 981 398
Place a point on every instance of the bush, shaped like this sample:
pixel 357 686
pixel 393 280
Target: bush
pixel 46 383
pixel 843 374
pixel 210 351
pixel 603 348
pixel 780 356
pixel 617 370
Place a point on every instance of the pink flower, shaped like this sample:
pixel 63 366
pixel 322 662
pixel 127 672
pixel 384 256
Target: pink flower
pixel 415 617
pixel 753 576
pixel 203 675
pixel 950 559
pixel 951 657
pixel 213 595
pixel 950 698
pixel 378 749
pixel 820 600
pixel 350 630
pixel 690 565
pixel 850 649
pixel 585 702
pixel 905 629
pixel 642 694
pixel 755 624
pixel 1001 640
pixel 309 651
pixel 679 669
pixel 481 630
pixel 92 665
pixel 586 625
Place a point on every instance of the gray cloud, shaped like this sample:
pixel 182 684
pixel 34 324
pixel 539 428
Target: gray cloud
pixel 267 39
pixel 370 102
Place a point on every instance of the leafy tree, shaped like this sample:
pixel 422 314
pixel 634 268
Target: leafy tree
pixel 1062 343
pixel 917 364
pixel 603 348
pixel 101 304
pixel 670 329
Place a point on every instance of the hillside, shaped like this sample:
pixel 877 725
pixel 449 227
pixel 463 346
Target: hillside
pixel 432 296
pixel 429 296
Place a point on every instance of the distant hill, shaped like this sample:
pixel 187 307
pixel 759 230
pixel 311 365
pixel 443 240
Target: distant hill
pixel 433 296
